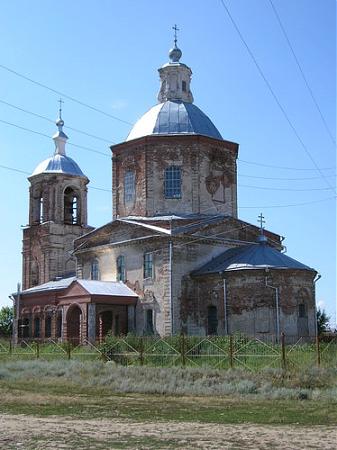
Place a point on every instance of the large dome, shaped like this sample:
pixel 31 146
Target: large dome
pixel 174 117
pixel 59 164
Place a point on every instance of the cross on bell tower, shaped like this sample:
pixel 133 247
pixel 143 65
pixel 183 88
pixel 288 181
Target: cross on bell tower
pixel 175 28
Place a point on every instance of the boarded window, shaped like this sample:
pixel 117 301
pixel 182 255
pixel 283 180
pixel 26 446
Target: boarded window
pixel 129 187
pixel 172 187
pixel 212 320
pixel 302 310
pixel 148 265
pixel 121 274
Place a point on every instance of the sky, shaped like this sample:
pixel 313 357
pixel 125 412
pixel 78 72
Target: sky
pixel 105 54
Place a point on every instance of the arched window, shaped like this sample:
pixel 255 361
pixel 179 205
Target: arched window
pixel 41 212
pixel 302 310
pixel 212 320
pixel 94 272
pixel 183 86
pixel 129 187
pixel 71 207
pixel 37 327
pixel 47 327
pixel 172 182
pixel 121 276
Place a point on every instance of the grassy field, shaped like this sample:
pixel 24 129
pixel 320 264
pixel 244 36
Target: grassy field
pixel 142 407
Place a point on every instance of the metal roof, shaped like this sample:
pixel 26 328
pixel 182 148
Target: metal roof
pixel 254 256
pixel 174 117
pixel 115 288
pixel 50 286
pixel 59 164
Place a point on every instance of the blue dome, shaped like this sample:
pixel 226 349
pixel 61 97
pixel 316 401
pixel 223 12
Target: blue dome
pixel 59 164
pixel 174 117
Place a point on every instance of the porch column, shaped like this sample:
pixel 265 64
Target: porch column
pixel 131 319
pixel 92 323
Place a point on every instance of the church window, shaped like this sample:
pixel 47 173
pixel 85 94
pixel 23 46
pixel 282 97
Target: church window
pixel 148 265
pixel 121 268
pixel 34 280
pixel 37 327
pixel 149 329
pixel 71 210
pixel 172 185
pixel 212 320
pixel 47 327
pixel 94 272
pixel 301 310
pixel 129 187
pixel 59 325
pixel 183 86
pixel 41 210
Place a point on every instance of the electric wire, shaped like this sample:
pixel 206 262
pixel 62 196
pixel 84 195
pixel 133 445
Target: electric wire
pixel 271 90
pixel 89 149
pixel 302 72
pixel 53 121
pixel 243 207
pixel 62 94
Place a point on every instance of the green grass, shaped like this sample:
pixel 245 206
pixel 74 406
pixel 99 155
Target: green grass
pixel 98 390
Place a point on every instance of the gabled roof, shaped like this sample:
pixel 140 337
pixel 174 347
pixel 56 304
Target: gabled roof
pixel 110 288
pixel 254 256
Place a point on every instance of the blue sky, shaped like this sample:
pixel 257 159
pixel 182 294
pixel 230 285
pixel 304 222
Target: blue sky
pixel 106 54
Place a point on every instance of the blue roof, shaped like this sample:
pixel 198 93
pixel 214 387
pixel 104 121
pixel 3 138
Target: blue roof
pixel 174 117
pixel 59 164
pixel 254 256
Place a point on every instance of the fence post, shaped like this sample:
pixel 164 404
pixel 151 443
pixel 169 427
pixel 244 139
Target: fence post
pixel 318 349
pixel 37 350
pixel 69 350
pixel 183 349
pixel 230 351
pixel 283 351
pixel 141 351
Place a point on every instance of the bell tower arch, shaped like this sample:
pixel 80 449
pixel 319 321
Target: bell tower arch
pixel 57 215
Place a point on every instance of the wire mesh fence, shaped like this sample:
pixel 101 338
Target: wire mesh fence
pixel 222 352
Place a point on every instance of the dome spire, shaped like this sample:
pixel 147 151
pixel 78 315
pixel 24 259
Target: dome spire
pixel 175 77
pixel 60 138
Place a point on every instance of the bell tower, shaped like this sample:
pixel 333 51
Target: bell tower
pixel 57 215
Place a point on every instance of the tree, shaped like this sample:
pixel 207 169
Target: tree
pixel 6 320
pixel 322 321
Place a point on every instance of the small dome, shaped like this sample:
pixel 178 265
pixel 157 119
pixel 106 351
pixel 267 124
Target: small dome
pixel 174 117
pixel 59 164
pixel 175 54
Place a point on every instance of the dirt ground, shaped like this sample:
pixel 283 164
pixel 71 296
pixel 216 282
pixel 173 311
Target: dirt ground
pixel 54 432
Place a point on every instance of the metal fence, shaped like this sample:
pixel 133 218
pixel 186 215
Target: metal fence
pixel 187 351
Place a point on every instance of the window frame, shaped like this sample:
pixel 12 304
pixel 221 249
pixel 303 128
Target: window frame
pixel 173 182
pixel 94 270
pixel 120 262
pixel 148 266
pixel 129 187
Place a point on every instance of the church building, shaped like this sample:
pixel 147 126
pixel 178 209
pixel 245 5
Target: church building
pixel 175 256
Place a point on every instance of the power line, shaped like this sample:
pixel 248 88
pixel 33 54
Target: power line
pixel 302 73
pixel 62 94
pixel 281 167
pixel 53 121
pixel 271 90
pixel 14 169
pixel 283 178
pixel 47 136
pixel 283 189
